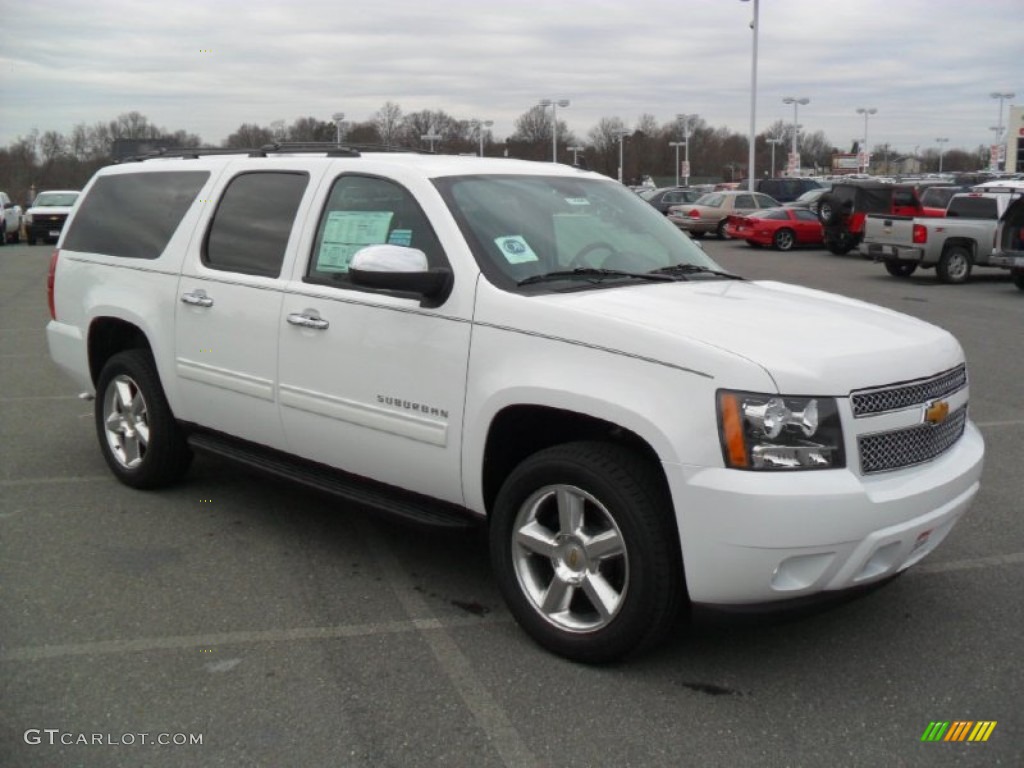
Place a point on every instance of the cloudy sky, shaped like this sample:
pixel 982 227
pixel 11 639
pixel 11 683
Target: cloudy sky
pixel 207 66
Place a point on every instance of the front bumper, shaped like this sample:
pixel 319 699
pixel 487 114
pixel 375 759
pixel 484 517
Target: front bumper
pixel 757 537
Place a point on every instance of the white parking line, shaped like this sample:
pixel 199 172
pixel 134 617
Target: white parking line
pixel 488 713
pixel 185 642
pixel 24 481
pixel 1010 423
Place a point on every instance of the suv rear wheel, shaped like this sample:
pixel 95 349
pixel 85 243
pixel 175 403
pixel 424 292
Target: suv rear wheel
pixel 584 551
pixel 1017 275
pixel 139 437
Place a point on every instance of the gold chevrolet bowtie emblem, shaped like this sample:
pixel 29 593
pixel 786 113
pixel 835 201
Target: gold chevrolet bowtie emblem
pixel 936 412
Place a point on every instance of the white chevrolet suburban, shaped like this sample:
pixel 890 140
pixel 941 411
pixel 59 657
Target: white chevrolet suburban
pixel 526 344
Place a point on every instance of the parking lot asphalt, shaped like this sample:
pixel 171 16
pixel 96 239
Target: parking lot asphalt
pixel 285 629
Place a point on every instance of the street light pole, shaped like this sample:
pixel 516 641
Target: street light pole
pixel 685 120
pixel 554 104
pixel 941 142
pixel 622 134
pixel 574 150
pixel 751 175
pixel 864 150
pixel 796 102
pixel 337 117
pixel 677 145
pixel 774 142
pixel 480 125
pixel 999 134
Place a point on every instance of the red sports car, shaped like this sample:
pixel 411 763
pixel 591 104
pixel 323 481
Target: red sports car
pixel 781 228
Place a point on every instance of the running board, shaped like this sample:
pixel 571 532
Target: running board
pixel 394 502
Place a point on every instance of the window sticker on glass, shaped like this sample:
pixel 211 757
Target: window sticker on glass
pixel 348 231
pixel 515 250
pixel 400 237
pixel 577 201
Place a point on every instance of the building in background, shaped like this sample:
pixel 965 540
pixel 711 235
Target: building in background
pixel 1014 146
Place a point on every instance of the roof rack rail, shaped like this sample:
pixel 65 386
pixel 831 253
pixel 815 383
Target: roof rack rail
pixel 330 148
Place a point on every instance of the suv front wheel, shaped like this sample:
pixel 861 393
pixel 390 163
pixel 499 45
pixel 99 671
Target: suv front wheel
pixel 139 437
pixel 584 551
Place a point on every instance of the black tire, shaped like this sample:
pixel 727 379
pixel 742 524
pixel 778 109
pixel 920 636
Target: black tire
pixel 139 437
pixel 900 267
pixel 696 235
pixel 954 265
pixel 784 240
pixel 30 239
pixel 720 230
pixel 619 496
pixel 841 244
pixel 1017 275
pixel 16 237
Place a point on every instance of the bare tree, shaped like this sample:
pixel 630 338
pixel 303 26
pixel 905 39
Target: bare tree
pixel 311 129
pixel 389 122
pixel 249 135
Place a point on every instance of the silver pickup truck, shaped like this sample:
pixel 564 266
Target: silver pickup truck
pixel 953 245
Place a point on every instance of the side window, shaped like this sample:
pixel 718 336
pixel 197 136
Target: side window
pixel 764 201
pixel 362 211
pixel 253 221
pixel 745 201
pixel 133 215
pixel 803 214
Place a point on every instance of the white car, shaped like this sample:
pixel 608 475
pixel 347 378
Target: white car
pixel 10 220
pixel 45 219
pixel 522 344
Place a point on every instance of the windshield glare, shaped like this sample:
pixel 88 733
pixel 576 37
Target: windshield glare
pixel 522 226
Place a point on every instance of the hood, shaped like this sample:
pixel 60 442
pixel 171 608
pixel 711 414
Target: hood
pixel 809 342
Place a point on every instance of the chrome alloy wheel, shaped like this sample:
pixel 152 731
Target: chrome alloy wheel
pixel 570 558
pixel 126 421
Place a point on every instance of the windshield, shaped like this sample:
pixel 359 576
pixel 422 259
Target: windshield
pixel 523 227
pixel 55 199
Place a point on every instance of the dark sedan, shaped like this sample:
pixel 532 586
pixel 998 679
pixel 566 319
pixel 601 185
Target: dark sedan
pixel 664 197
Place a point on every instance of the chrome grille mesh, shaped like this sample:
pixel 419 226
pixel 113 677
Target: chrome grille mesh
pixel 895 398
pixel 914 445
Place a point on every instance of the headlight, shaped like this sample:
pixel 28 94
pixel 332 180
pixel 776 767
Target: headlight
pixel 767 432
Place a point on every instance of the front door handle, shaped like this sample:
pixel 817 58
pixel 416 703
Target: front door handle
pixel 197 298
pixel 308 321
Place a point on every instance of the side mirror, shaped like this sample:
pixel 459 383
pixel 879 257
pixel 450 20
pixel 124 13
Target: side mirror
pixel 397 268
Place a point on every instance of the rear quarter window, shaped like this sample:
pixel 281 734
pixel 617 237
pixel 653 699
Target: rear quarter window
pixel 133 215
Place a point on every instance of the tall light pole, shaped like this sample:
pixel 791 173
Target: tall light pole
pixel 685 121
pixel 480 125
pixel 554 104
pixel 751 175
pixel 622 133
pixel 337 117
pixel 431 137
pixel 999 135
pixel 677 145
pixel 941 142
pixel 774 142
pixel 794 158
pixel 866 111
pixel 574 151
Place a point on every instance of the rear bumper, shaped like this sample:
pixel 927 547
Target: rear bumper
pixel 750 537
pixel 1012 260
pixel 880 252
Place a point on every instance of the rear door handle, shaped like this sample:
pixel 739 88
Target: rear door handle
pixel 197 298
pixel 308 321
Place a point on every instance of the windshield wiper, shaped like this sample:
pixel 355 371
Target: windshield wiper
pixel 593 273
pixel 694 269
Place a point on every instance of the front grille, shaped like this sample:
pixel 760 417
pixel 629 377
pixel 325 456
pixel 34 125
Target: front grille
pixel 885 451
pixel 900 396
